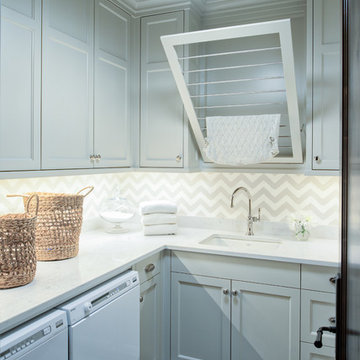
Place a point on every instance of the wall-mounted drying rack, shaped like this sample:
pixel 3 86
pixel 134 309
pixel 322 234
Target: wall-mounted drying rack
pixel 238 70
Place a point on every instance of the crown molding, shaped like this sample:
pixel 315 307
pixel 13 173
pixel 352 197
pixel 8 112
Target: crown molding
pixel 138 8
pixel 212 9
pixel 254 13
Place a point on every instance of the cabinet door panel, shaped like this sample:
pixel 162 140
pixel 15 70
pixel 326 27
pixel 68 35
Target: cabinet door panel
pixel 111 127
pixel 310 352
pixel 20 85
pixel 316 310
pixel 162 123
pixel 70 17
pixel 28 8
pixel 150 319
pixel 200 318
pixel 265 322
pixel 326 84
pixel 67 129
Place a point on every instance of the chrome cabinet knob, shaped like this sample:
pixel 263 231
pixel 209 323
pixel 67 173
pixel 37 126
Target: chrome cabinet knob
pixel 97 157
pixel 141 299
pixel 178 158
pixel 333 280
pixel 149 268
pixel 226 291
pixel 92 157
pixel 332 320
pixel 317 158
pixel 234 293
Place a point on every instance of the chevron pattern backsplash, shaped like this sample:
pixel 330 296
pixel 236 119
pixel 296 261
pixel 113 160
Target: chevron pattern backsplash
pixel 205 194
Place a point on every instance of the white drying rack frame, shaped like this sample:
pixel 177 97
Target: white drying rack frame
pixel 280 27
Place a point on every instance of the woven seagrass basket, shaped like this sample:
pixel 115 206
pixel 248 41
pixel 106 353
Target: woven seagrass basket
pixel 17 246
pixel 58 224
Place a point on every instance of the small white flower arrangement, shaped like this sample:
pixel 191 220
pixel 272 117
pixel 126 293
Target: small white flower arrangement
pixel 301 225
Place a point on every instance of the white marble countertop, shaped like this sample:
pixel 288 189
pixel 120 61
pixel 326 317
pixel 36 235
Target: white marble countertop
pixel 103 256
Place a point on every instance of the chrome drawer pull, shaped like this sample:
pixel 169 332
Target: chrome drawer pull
pixel 149 268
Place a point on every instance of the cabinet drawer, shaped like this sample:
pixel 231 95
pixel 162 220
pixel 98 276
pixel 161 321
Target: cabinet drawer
pixel 149 267
pixel 258 271
pixel 318 278
pixel 316 310
pixel 310 352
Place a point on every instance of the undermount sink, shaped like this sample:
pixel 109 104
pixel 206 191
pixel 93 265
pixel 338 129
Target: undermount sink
pixel 251 243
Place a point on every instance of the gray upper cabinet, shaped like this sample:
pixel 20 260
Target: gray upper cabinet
pixel 85 85
pixel 162 115
pixel 324 97
pixel 67 95
pixel 20 84
pixel 111 107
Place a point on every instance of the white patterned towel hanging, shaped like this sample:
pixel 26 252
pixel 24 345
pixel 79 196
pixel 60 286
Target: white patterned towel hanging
pixel 241 140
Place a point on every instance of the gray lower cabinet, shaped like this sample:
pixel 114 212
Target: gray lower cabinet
pixel 212 317
pixel 200 317
pixel 265 322
pixel 150 319
pixel 162 115
pixel 310 352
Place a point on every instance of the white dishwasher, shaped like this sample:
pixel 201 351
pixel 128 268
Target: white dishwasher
pixel 41 339
pixel 104 323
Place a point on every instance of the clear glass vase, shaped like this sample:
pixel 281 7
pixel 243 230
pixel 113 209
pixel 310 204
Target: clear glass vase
pixel 302 230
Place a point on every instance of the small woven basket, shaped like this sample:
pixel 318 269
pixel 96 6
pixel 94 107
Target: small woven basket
pixel 58 224
pixel 17 247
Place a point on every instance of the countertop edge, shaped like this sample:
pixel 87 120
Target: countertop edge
pixel 39 309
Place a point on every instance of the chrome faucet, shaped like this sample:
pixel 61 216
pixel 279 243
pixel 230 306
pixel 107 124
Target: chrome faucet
pixel 251 219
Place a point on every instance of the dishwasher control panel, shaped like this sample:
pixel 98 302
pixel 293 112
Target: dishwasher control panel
pixel 85 304
pixel 15 343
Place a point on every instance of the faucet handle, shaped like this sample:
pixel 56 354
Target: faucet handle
pixel 258 218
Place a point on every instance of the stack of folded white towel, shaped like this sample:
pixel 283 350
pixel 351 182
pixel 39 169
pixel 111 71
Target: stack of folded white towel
pixel 159 217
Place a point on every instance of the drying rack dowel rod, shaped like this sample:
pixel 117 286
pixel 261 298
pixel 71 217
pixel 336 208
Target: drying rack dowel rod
pixel 280 136
pixel 235 105
pixel 234 80
pixel 229 53
pixel 233 67
pixel 239 93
